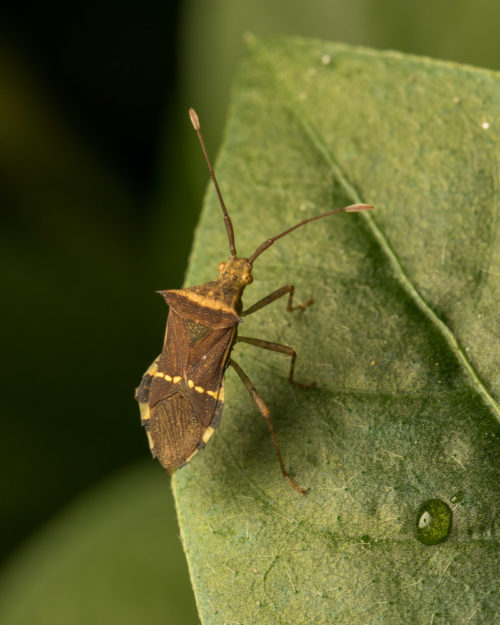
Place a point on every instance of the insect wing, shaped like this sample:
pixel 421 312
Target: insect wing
pixel 181 395
pixel 205 374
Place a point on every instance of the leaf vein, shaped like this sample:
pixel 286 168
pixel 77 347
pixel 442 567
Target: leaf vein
pixel 397 267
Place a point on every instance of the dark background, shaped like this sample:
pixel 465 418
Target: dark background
pixel 87 104
pixel 101 181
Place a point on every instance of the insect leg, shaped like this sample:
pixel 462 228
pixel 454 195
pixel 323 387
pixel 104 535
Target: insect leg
pixel 264 411
pixel 282 349
pixel 269 299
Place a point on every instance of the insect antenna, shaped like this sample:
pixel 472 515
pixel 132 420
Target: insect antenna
pixel 353 208
pixel 227 220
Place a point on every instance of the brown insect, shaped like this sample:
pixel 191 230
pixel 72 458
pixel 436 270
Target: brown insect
pixel 181 395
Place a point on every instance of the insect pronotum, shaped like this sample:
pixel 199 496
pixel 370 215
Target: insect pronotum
pixel 181 395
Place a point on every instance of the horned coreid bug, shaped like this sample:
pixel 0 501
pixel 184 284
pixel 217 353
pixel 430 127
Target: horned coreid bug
pixel 181 395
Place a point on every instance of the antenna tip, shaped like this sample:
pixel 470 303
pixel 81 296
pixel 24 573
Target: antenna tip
pixel 356 208
pixel 194 119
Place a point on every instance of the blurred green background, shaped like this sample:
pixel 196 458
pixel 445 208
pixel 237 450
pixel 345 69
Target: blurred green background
pixel 101 181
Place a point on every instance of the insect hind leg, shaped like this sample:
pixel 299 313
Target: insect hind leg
pixel 264 411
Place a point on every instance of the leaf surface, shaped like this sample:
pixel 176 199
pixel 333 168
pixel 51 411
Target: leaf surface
pixel 402 342
pixel 103 561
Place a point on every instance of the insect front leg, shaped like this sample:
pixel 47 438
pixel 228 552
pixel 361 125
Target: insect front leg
pixel 269 299
pixel 281 349
pixel 264 411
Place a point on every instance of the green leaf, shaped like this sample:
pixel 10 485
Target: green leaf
pixel 402 342
pixel 112 557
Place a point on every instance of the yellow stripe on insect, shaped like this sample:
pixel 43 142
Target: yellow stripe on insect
pixel 150 440
pixel 200 389
pixel 145 411
pixel 208 433
pixel 168 378
pixel 177 378
pixel 160 374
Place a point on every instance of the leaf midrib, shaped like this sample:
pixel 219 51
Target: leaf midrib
pixel 396 265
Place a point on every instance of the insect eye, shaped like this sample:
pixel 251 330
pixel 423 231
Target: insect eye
pixel 221 267
pixel 246 278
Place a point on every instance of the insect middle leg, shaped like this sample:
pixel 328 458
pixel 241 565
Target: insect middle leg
pixel 272 297
pixel 264 411
pixel 281 349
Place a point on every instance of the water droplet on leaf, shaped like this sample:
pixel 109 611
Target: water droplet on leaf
pixel 433 522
